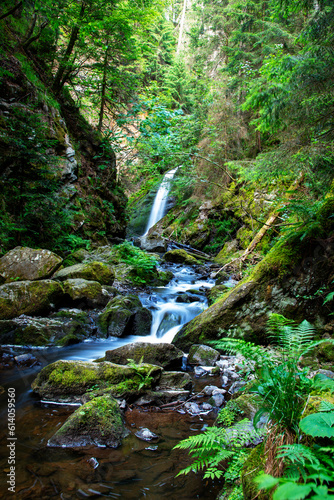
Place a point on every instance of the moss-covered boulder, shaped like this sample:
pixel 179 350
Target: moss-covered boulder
pixel 65 380
pixel 29 297
pixel 160 354
pixel 96 423
pixel 91 271
pixel 175 380
pixel 125 316
pixel 180 256
pixel 41 331
pixel 25 263
pixel 202 355
pixel 84 293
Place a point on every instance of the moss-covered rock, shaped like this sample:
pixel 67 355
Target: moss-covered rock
pixel 29 297
pixel 125 316
pixel 216 292
pixel 96 423
pixel 202 355
pixel 160 354
pixel 180 256
pixel 229 251
pixel 84 293
pixel 64 380
pixel 91 271
pixel 253 466
pixel 175 380
pixel 25 263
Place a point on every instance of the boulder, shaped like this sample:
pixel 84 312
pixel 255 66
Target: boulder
pixel 202 355
pixel 125 316
pixel 91 271
pixel 27 330
pixel 86 293
pixel 160 354
pixel 145 434
pixel 96 423
pixel 25 263
pixel 180 256
pixel 69 380
pixel 29 297
pixel 153 243
pixel 175 380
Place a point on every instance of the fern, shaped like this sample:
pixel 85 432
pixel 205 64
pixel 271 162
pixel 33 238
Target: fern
pixel 216 445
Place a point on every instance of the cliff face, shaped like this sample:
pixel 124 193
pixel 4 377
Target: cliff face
pixel 58 184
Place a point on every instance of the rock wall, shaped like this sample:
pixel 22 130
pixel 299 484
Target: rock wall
pixel 57 175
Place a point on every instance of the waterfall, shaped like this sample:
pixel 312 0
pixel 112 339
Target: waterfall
pixel 159 205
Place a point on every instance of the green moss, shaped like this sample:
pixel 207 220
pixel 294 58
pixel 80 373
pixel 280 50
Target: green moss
pixel 180 256
pixel 253 466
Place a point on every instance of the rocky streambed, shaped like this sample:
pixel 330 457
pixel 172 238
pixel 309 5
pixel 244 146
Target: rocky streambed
pixel 113 398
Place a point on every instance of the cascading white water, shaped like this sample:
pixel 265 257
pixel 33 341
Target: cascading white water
pixel 159 205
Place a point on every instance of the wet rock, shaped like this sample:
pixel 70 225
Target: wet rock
pixel 206 407
pixel 192 408
pixel 27 330
pixel 180 256
pixel 98 423
pixel 328 373
pixel 199 371
pixel 29 297
pixel 86 293
pixel 91 271
pixel 160 354
pixel 163 396
pixel 26 360
pixel 153 243
pixel 236 386
pixel 93 462
pixel 224 380
pixel 186 298
pixel 208 389
pixel 66 379
pixel 29 264
pixel 202 355
pixel 125 316
pixel 146 435
pixel 217 400
pixel 175 380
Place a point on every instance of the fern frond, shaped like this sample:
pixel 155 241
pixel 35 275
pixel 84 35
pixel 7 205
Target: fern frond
pixel 250 351
pixel 298 453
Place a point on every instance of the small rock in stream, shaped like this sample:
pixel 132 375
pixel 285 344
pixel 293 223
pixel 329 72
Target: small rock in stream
pixel 236 386
pixel 206 407
pixel 192 408
pixel 146 435
pixel 93 462
pixel 199 371
pixel 217 399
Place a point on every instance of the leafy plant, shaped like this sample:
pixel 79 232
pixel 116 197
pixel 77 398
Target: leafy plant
pixel 144 263
pixel 141 372
pixel 309 469
pixel 217 445
pixel 282 386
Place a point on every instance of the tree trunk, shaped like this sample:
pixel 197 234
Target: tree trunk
pixel 104 88
pixel 59 80
pixel 11 11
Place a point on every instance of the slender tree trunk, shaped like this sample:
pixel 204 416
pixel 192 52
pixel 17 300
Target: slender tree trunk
pixel 104 88
pixel 11 11
pixel 179 43
pixel 59 80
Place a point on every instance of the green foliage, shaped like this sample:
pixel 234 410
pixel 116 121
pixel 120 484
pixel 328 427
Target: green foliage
pixel 227 415
pixel 141 372
pixel 309 469
pixel 282 386
pixel 144 263
pixel 217 445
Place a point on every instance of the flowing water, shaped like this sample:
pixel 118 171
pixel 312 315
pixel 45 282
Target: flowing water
pixel 160 201
pixel 136 470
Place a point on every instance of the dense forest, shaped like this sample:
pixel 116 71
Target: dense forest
pixel 228 107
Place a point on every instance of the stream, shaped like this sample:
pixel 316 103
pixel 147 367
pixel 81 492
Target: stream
pixel 137 469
